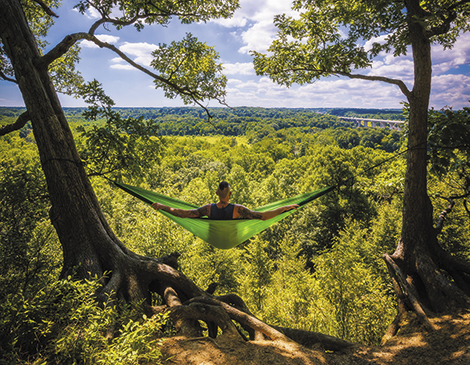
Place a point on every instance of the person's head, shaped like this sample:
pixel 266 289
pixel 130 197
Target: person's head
pixel 223 191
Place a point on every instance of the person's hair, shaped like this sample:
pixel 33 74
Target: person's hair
pixel 223 189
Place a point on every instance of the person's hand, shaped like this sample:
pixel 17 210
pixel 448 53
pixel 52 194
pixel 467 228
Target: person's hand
pixel 290 207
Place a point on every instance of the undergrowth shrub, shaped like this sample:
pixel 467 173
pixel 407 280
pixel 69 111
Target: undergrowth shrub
pixel 63 324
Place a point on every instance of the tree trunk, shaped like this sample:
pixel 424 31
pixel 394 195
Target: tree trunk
pixel 416 265
pixel 90 248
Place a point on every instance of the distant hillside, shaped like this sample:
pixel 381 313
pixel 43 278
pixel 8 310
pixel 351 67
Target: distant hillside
pixel 152 112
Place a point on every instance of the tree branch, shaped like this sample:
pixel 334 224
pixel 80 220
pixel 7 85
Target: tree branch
pixel 62 47
pixel 122 23
pixel 388 80
pixel 6 78
pixel 193 94
pixel 46 8
pixel 20 123
pixel 398 83
pixel 446 21
pixel 442 216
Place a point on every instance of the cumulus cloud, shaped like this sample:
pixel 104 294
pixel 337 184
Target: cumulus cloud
pixel 239 68
pixel 91 13
pixel 450 90
pixel 255 22
pixel 459 55
pixel 102 37
pixel 338 92
pixel 118 64
pixel 369 43
pixel 141 52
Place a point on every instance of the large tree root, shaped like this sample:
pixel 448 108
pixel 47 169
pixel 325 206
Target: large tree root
pixel 427 290
pixel 188 305
pixel 427 279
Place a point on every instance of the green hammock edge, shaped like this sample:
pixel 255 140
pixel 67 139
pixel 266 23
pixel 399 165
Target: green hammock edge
pixel 222 234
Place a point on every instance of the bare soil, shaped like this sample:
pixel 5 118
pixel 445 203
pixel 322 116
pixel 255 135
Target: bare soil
pixel 448 345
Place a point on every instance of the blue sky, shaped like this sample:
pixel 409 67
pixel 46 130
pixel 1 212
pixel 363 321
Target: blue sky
pixel 251 28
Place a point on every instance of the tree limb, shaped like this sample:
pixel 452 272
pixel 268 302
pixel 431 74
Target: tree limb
pixel 62 47
pixel 447 20
pixel 20 123
pixel 442 216
pixel 47 9
pixel 118 22
pixel 388 80
pixel 6 78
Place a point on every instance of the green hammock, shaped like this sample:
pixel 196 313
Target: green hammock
pixel 223 234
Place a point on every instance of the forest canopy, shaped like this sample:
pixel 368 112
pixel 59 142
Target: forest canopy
pixel 293 274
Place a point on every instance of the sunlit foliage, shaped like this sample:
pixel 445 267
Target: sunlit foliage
pixel 319 270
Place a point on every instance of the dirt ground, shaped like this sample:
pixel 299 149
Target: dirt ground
pixel 448 345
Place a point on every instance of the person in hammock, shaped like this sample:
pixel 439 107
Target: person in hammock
pixel 223 209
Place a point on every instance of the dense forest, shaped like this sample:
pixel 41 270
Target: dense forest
pixel 320 269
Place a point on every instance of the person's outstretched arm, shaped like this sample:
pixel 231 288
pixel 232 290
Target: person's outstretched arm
pixel 184 213
pixel 244 212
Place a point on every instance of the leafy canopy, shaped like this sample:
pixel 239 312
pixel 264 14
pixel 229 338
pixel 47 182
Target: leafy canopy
pixel 191 65
pixel 338 36
pixel 138 12
pixel 449 150
pixel 187 68
pixel 121 146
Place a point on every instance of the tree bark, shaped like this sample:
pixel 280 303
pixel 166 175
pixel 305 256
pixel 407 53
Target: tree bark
pixel 416 265
pixel 90 248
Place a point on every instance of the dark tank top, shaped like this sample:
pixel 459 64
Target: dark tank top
pixel 222 214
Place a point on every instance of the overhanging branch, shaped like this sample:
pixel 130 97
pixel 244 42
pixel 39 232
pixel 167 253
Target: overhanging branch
pixel 20 123
pixel 47 9
pixel 121 54
pixel 447 16
pixel 6 78
pixel 62 47
pixel 442 216
pixel 320 72
pixel 388 80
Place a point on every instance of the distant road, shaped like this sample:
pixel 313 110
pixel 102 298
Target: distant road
pixel 375 123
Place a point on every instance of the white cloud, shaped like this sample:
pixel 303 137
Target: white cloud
pixel 369 43
pixel 91 13
pixel 119 65
pixel 102 37
pixel 237 20
pixel 258 37
pixel 239 68
pixel 393 67
pixel 459 55
pixel 255 22
pixel 338 92
pixel 450 90
pixel 141 52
